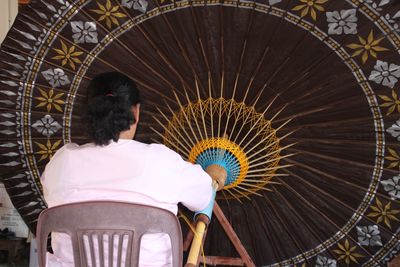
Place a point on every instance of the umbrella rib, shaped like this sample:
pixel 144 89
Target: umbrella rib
pixel 201 110
pixel 151 42
pixel 334 141
pixel 221 30
pixel 264 175
pixel 255 187
pixel 282 222
pixel 271 168
pixel 335 159
pixel 181 125
pixel 123 45
pixel 263 222
pixel 203 52
pixel 239 68
pixel 99 58
pixel 324 192
pixel 190 107
pixel 265 138
pixel 260 117
pixel 232 194
pixel 325 217
pixel 268 161
pixel 187 119
pixel 171 134
pixel 239 192
pixel 167 140
pixel 268 146
pixel 181 47
pixel 332 177
pixel 173 126
pixel 249 114
pixel 303 222
pixel 326 107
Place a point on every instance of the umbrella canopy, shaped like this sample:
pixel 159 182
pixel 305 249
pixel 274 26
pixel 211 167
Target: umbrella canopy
pixel 298 99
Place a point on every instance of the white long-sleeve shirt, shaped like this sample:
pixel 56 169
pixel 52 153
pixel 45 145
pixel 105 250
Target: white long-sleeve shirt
pixel 129 171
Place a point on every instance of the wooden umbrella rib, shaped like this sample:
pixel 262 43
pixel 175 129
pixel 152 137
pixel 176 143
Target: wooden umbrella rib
pixel 260 117
pixel 324 216
pixel 251 165
pixel 329 123
pixel 190 107
pixel 239 67
pixel 203 52
pixel 155 47
pixel 335 159
pixel 167 140
pixel 303 222
pixel 283 223
pixel 181 125
pixel 187 149
pixel 261 150
pixel 89 53
pixel 202 111
pixel 176 130
pixel 324 192
pixel 249 114
pixel 267 137
pixel 222 53
pixel 181 47
pixel 127 48
pixel 270 168
pixel 187 119
pixel 332 177
pixel 267 231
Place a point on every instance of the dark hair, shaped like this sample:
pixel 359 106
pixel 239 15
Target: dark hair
pixel 110 97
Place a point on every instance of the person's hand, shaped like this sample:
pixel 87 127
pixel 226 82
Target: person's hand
pixel 218 174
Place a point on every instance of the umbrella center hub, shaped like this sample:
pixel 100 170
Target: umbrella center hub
pixel 225 153
pixel 231 134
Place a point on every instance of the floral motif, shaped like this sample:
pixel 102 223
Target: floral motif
pixel 56 77
pixel 394 130
pixel 392 186
pixel 109 13
pixel 343 21
pixel 50 100
pixel 385 73
pixel 47 126
pixel 394 157
pixel 84 32
pixel 368 46
pixel 310 6
pixel 383 214
pixel 325 262
pixel 347 253
pixel 377 6
pixel 68 55
pixel 273 2
pixel 47 150
pixel 140 5
pixel 392 103
pixel 369 235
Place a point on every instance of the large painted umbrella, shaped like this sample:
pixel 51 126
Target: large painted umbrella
pixel 298 99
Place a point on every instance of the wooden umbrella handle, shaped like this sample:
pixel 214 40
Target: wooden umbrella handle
pixel 218 174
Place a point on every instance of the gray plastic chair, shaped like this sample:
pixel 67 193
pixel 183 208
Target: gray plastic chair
pixel 85 222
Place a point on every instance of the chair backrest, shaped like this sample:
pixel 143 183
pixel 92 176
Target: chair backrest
pixel 90 223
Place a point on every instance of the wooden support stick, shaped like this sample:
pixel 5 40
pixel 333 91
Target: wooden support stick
pixel 219 260
pixel 232 236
